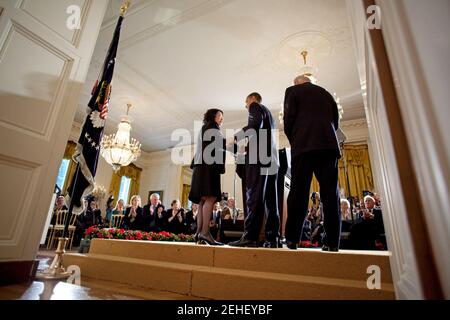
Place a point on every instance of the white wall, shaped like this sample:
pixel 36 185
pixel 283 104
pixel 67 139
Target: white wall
pixel 159 173
pixel 418 46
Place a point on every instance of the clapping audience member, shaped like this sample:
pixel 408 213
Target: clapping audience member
pixel 214 224
pixel 119 208
pixel 149 212
pixel 191 219
pixel 175 217
pixel 133 219
pixel 109 209
pixel 60 205
pixel 160 218
pixel 369 228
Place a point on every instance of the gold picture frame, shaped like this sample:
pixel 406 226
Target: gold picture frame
pixel 161 195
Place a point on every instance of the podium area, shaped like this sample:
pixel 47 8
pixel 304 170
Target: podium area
pixel 206 272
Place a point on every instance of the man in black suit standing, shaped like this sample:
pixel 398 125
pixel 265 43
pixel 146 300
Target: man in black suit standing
pixel 261 168
pixel 311 119
pixel 149 213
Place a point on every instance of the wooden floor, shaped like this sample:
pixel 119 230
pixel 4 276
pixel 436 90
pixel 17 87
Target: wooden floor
pixel 90 290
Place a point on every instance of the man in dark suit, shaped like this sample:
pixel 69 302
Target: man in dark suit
pixel 261 168
pixel 149 213
pixel 311 119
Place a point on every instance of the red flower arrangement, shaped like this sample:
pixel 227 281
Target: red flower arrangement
pixel 111 233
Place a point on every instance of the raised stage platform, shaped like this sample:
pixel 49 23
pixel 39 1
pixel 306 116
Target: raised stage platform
pixel 198 271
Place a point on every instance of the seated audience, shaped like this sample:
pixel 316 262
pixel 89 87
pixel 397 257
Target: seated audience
pixel 214 224
pixel 191 219
pixel 306 231
pixel 315 216
pixel 346 223
pixel 90 216
pixel 175 218
pixel 230 210
pixel 149 213
pixel 119 209
pixel 160 218
pixel 133 219
pixel 60 205
pixel 109 209
pixel 368 229
pixel 345 210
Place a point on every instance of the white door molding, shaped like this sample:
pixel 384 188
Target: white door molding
pixel 43 66
pixel 417 44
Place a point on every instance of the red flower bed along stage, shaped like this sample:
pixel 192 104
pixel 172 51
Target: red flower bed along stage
pixel 111 233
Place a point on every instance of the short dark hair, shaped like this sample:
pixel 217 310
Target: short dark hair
pixel 210 115
pixel 255 95
pixel 109 201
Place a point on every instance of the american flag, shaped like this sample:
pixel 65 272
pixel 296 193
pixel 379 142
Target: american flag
pixel 88 146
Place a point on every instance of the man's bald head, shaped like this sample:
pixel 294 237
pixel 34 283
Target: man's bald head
pixel 301 80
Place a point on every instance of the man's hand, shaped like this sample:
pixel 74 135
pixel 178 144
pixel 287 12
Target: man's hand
pixel 367 215
pixel 230 143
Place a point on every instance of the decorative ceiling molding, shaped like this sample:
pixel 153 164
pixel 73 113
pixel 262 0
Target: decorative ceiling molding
pixel 192 13
pixel 320 44
pixel 358 123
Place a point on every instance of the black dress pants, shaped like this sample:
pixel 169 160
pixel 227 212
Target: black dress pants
pixel 261 198
pixel 324 165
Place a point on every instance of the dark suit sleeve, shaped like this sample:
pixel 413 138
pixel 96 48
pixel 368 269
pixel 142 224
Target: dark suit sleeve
pixel 290 112
pixel 335 116
pixel 255 119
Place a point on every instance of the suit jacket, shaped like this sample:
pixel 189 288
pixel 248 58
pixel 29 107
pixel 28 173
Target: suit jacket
pixel 175 226
pixel 89 218
pixel 137 222
pixel 149 220
pixel 311 119
pixel 259 117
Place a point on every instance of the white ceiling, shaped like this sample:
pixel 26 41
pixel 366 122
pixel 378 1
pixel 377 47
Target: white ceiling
pixel 178 58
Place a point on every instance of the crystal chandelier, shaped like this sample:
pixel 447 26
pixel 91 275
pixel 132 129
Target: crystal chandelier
pixel 117 149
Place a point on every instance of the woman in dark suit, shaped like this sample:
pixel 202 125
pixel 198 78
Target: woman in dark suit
pixel 160 219
pixel 134 217
pixel 208 164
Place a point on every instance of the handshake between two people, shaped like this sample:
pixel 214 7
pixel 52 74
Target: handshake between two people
pixel 233 146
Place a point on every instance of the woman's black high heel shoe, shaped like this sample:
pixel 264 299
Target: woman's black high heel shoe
pixel 208 240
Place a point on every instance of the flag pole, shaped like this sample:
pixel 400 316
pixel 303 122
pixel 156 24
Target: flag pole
pixel 56 270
